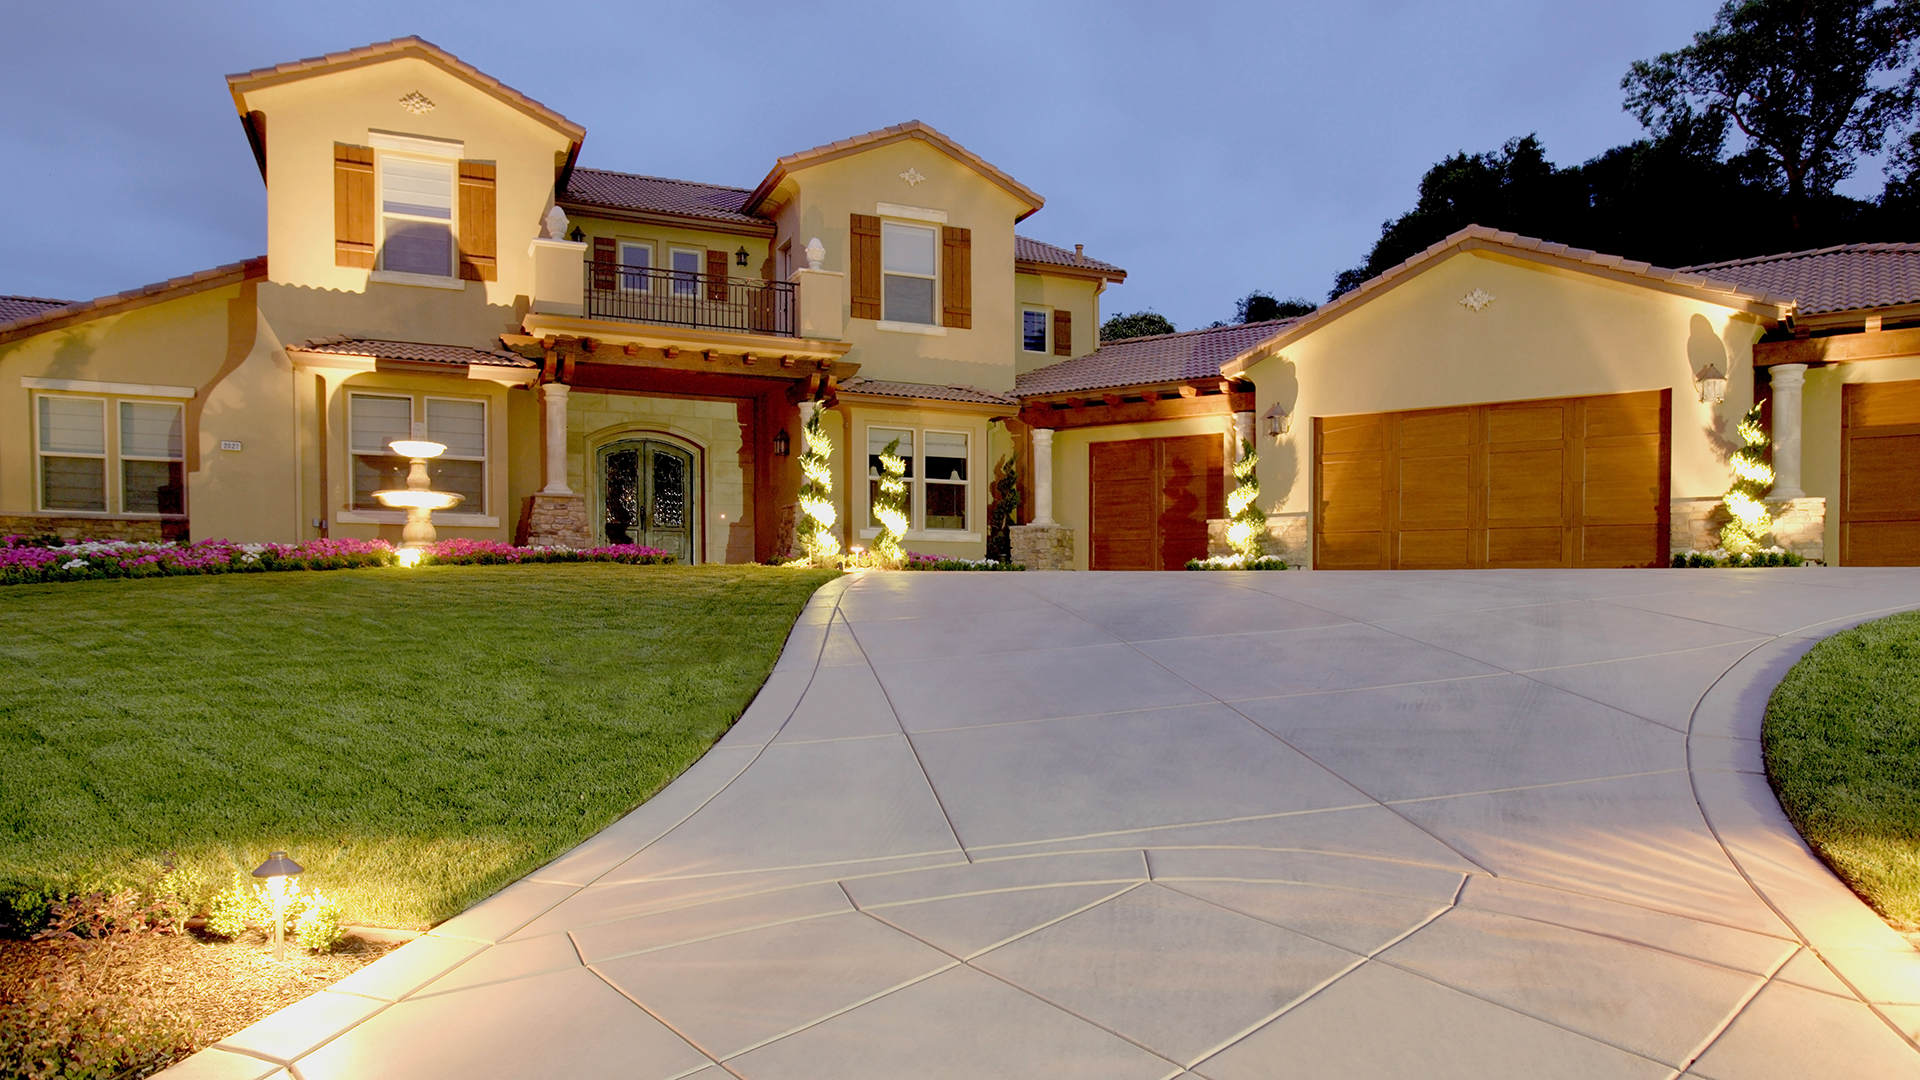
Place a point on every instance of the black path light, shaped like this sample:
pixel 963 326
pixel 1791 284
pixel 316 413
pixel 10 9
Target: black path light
pixel 276 870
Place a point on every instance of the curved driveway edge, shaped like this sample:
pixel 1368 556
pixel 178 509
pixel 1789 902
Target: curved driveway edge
pixel 1226 826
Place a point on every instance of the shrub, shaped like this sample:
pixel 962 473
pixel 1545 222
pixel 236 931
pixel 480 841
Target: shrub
pixel 239 907
pixel 1720 557
pixel 55 1033
pixel 318 924
pixel 25 564
pixel 917 561
pixel 1238 562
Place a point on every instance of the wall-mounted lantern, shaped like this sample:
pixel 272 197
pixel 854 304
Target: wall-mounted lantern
pixel 1713 385
pixel 740 257
pixel 576 235
pixel 276 870
pixel 782 446
pixel 1278 421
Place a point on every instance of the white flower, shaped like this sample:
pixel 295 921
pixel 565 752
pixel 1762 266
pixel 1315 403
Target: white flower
pixel 74 564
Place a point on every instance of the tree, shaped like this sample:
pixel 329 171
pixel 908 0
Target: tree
pixel 1752 479
pixel 818 544
pixel 1003 509
pixel 1136 324
pixel 890 509
pixel 1259 306
pixel 1813 85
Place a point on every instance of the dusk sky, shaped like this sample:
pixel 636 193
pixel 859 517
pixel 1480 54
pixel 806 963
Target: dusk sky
pixel 1207 148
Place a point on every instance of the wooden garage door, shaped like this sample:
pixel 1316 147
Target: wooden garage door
pixel 1567 482
pixel 1151 501
pixel 1880 474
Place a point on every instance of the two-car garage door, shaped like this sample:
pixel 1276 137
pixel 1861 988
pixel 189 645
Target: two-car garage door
pixel 1880 474
pixel 1567 482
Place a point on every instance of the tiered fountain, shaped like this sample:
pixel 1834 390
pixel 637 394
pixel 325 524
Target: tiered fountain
pixel 417 498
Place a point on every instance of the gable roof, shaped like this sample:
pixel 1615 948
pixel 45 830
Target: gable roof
pixel 1763 304
pixel 912 129
pixel 380 52
pixel 605 189
pixel 1845 277
pixel 79 311
pixel 422 352
pixel 1147 361
pixel 1041 256
pixel 13 308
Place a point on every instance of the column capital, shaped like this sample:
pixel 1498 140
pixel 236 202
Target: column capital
pixel 550 390
pixel 1781 375
pixel 1042 436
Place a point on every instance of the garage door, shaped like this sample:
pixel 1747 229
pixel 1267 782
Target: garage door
pixel 1568 482
pixel 1880 474
pixel 1151 501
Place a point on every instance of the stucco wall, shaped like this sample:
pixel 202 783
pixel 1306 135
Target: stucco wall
pixel 983 448
pixel 1820 433
pixel 1547 333
pixel 1072 483
pixel 1079 296
pixel 714 429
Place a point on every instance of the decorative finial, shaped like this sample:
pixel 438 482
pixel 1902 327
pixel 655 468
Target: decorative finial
pixel 816 254
pixel 556 223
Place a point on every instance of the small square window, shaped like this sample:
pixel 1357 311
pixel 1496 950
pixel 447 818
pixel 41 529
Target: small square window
pixel 1033 330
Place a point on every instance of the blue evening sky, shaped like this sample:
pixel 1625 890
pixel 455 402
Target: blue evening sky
pixel 1209 148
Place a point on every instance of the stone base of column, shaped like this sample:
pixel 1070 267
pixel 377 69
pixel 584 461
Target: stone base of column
pixel 1799 525
pixel 554 521
pixel 1042 547
pixel 1289 537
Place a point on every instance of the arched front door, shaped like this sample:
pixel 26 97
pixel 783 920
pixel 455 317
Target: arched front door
pixel 647 496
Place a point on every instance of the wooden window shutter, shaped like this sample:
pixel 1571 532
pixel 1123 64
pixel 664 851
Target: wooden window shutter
pixel 353 206
pixel 863 265
pixel 956 277
pixel 478 261
pixel 717 275
pixel 1062 332
pixel 606 256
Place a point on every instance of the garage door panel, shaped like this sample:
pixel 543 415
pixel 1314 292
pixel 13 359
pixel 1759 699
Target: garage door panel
pixel 1432 549
pixel 1880 474
pixel 1352 435
pixel 1618 545
pixel 1624 414
pixel 1436 492
pixel 1882 404
pixel 1431 430
pixel 1152 499
pixel 1542 545
pixel 1121 553
pixel 1525 486
pixel 1350 498
pixel 1622 480
pixel 1351 551
pixel 1526 423
pixel 1881 543
pixel 1884 476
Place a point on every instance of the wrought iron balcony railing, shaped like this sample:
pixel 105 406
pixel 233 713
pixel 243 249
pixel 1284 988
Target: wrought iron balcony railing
pixel 682 298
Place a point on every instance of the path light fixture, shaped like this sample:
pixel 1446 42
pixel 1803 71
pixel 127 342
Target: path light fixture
pixel 1278 421
pixel 1712 384
pixel 276 870
pixel 417 498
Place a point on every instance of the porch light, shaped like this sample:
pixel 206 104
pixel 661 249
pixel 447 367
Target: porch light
pixel 417 498
pixel 740 257
pixel 1278 421
pixel 1713 385
pixel 276 870
pixel 782 445
pixel 576 235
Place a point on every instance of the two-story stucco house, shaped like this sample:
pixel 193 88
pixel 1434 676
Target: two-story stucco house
pixel 614 357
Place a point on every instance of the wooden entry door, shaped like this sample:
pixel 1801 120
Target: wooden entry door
pixel 1880 474
pixel 1561 482
pixel 1151 501
pixel 647 496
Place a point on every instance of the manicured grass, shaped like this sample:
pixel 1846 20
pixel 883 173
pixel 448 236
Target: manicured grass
pixel 417 739
pixel 1842 741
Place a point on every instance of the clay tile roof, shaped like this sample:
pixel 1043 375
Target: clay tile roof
pixel 925 392
pixel 1848 277
pixel 417 351
pixel 588 188
pixel 19 307
pixel 411 45
pixel 1028 250
pixel 1149 361
pixel 47 318
pixel 912 129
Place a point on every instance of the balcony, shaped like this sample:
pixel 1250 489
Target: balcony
pixel 682 298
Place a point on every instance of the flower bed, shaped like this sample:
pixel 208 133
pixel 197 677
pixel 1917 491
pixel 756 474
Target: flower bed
pixel 917 561
pixel 26 560
pixel 1720 557
pixel 1237 562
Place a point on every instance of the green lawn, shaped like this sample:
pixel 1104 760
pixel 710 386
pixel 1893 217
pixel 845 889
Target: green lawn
pixel 1843 749
pixel 417 739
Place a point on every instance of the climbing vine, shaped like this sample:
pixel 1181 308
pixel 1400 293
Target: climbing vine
pixel 1752 477
pixel 817 515
pixel 1247 523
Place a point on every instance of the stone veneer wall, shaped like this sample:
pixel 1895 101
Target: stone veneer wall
pixel 1289 536
pixel 719 428
pixel 92 528
pixel 555 520
pixel 1799 525
pixel 1042 547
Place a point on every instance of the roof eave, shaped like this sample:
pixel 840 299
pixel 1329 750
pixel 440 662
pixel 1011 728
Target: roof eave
pixel 806 159
pixel 667 217
pixel 1091 273
pixel 115 303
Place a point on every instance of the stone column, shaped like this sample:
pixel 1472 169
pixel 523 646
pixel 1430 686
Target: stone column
pixel 1787 381
pixel 553 399
pixel 1042 476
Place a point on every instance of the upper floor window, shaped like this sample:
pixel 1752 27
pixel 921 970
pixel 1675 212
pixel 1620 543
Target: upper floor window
pixel 1033 329
pixel 416 216
pixel 636 258
pixel 907 255
pixel 78 459
pixel 686 270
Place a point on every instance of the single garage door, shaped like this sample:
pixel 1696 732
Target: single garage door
pixel 1880 474
pixel 1151 501
pixel 1568 482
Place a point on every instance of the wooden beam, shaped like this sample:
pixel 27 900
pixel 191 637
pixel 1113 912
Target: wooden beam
pixel 748 359
pixel 632 351
pixel 1136 412
pixel 1189 391
pixel 708 355
pixel 1112 400
pixel 670 352
pixel 786 361
pixel 1839 348
pixel 1149 395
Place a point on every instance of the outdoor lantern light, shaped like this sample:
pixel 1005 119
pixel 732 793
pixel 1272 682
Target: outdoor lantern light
pixel 276 870
pixel 740 257
pixel 576 235
pixel 1713 385
pixel 416 498
pixel 1278 421
pixel 782 445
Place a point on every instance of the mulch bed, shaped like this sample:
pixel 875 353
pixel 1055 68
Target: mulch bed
pixel 193 990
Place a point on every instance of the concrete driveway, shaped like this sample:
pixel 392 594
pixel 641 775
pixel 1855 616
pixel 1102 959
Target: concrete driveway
pixel 1226 826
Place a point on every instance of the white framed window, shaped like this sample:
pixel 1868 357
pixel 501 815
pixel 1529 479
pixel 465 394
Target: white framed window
pixel 944 481
pixel 686 270
pixel 416 215
pixel 907 269
pixel 373 421
pixel 636 258
pixel 72 444
pixel 153 451
pixel 1033 329
pixel 460 424
pixel 877 440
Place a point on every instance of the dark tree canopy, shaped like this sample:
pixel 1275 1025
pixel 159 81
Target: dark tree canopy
pixel 1258 306
pixel 1136 324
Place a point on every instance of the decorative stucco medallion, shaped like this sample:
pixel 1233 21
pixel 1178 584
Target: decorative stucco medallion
pixel 417 103
pixel 1477 300
pixel 912 176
